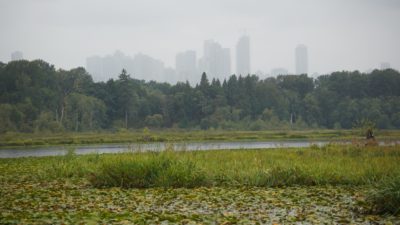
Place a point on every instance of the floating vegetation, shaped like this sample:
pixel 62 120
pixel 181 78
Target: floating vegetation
pixel 73 201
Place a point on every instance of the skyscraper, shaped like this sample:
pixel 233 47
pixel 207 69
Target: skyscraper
pixel 185 66
pixel 301 59
pixel 216 61
pixel 17 55
pixel 243 56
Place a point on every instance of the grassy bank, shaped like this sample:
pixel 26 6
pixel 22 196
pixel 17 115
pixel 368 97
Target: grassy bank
pixel 41 139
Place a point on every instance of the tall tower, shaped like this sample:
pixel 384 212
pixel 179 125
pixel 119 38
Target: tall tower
pixel 301 59
pixel 243 56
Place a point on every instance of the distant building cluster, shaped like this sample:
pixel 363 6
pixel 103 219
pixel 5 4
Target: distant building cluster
pixel 141 66
pixel 216 62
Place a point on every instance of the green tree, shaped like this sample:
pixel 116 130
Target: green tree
pixel 127 98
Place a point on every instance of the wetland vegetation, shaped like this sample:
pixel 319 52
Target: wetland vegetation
pixel 328 184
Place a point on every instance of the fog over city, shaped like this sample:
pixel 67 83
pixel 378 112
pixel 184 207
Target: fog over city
pixel 177 40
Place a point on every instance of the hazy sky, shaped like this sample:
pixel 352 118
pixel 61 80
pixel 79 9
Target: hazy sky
pixel 340 34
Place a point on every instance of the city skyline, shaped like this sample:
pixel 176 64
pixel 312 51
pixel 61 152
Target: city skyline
pixel 341 34
pixel 188 67
pixel 216 63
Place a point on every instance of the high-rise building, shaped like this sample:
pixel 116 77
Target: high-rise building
pixel 216 61
pixel 185 66
pixel 17 55
pixel 243 56
pixel 301 59
pixel 385 65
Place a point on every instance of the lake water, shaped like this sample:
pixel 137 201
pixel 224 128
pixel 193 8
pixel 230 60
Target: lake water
pixel 180 146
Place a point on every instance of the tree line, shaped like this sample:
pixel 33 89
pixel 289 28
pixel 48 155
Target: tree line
pixel 34 96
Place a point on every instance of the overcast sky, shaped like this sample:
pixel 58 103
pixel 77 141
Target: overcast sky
pixel 339 34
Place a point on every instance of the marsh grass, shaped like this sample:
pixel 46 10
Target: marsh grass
pixel 327 165
pixel 154 169
pixel 385 197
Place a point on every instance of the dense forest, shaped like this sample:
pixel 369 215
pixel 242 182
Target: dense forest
pixel 34 97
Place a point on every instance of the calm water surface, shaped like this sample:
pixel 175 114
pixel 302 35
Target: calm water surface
pixel 118 148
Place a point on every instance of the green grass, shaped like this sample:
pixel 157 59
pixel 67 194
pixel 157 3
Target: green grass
pixel 40 139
